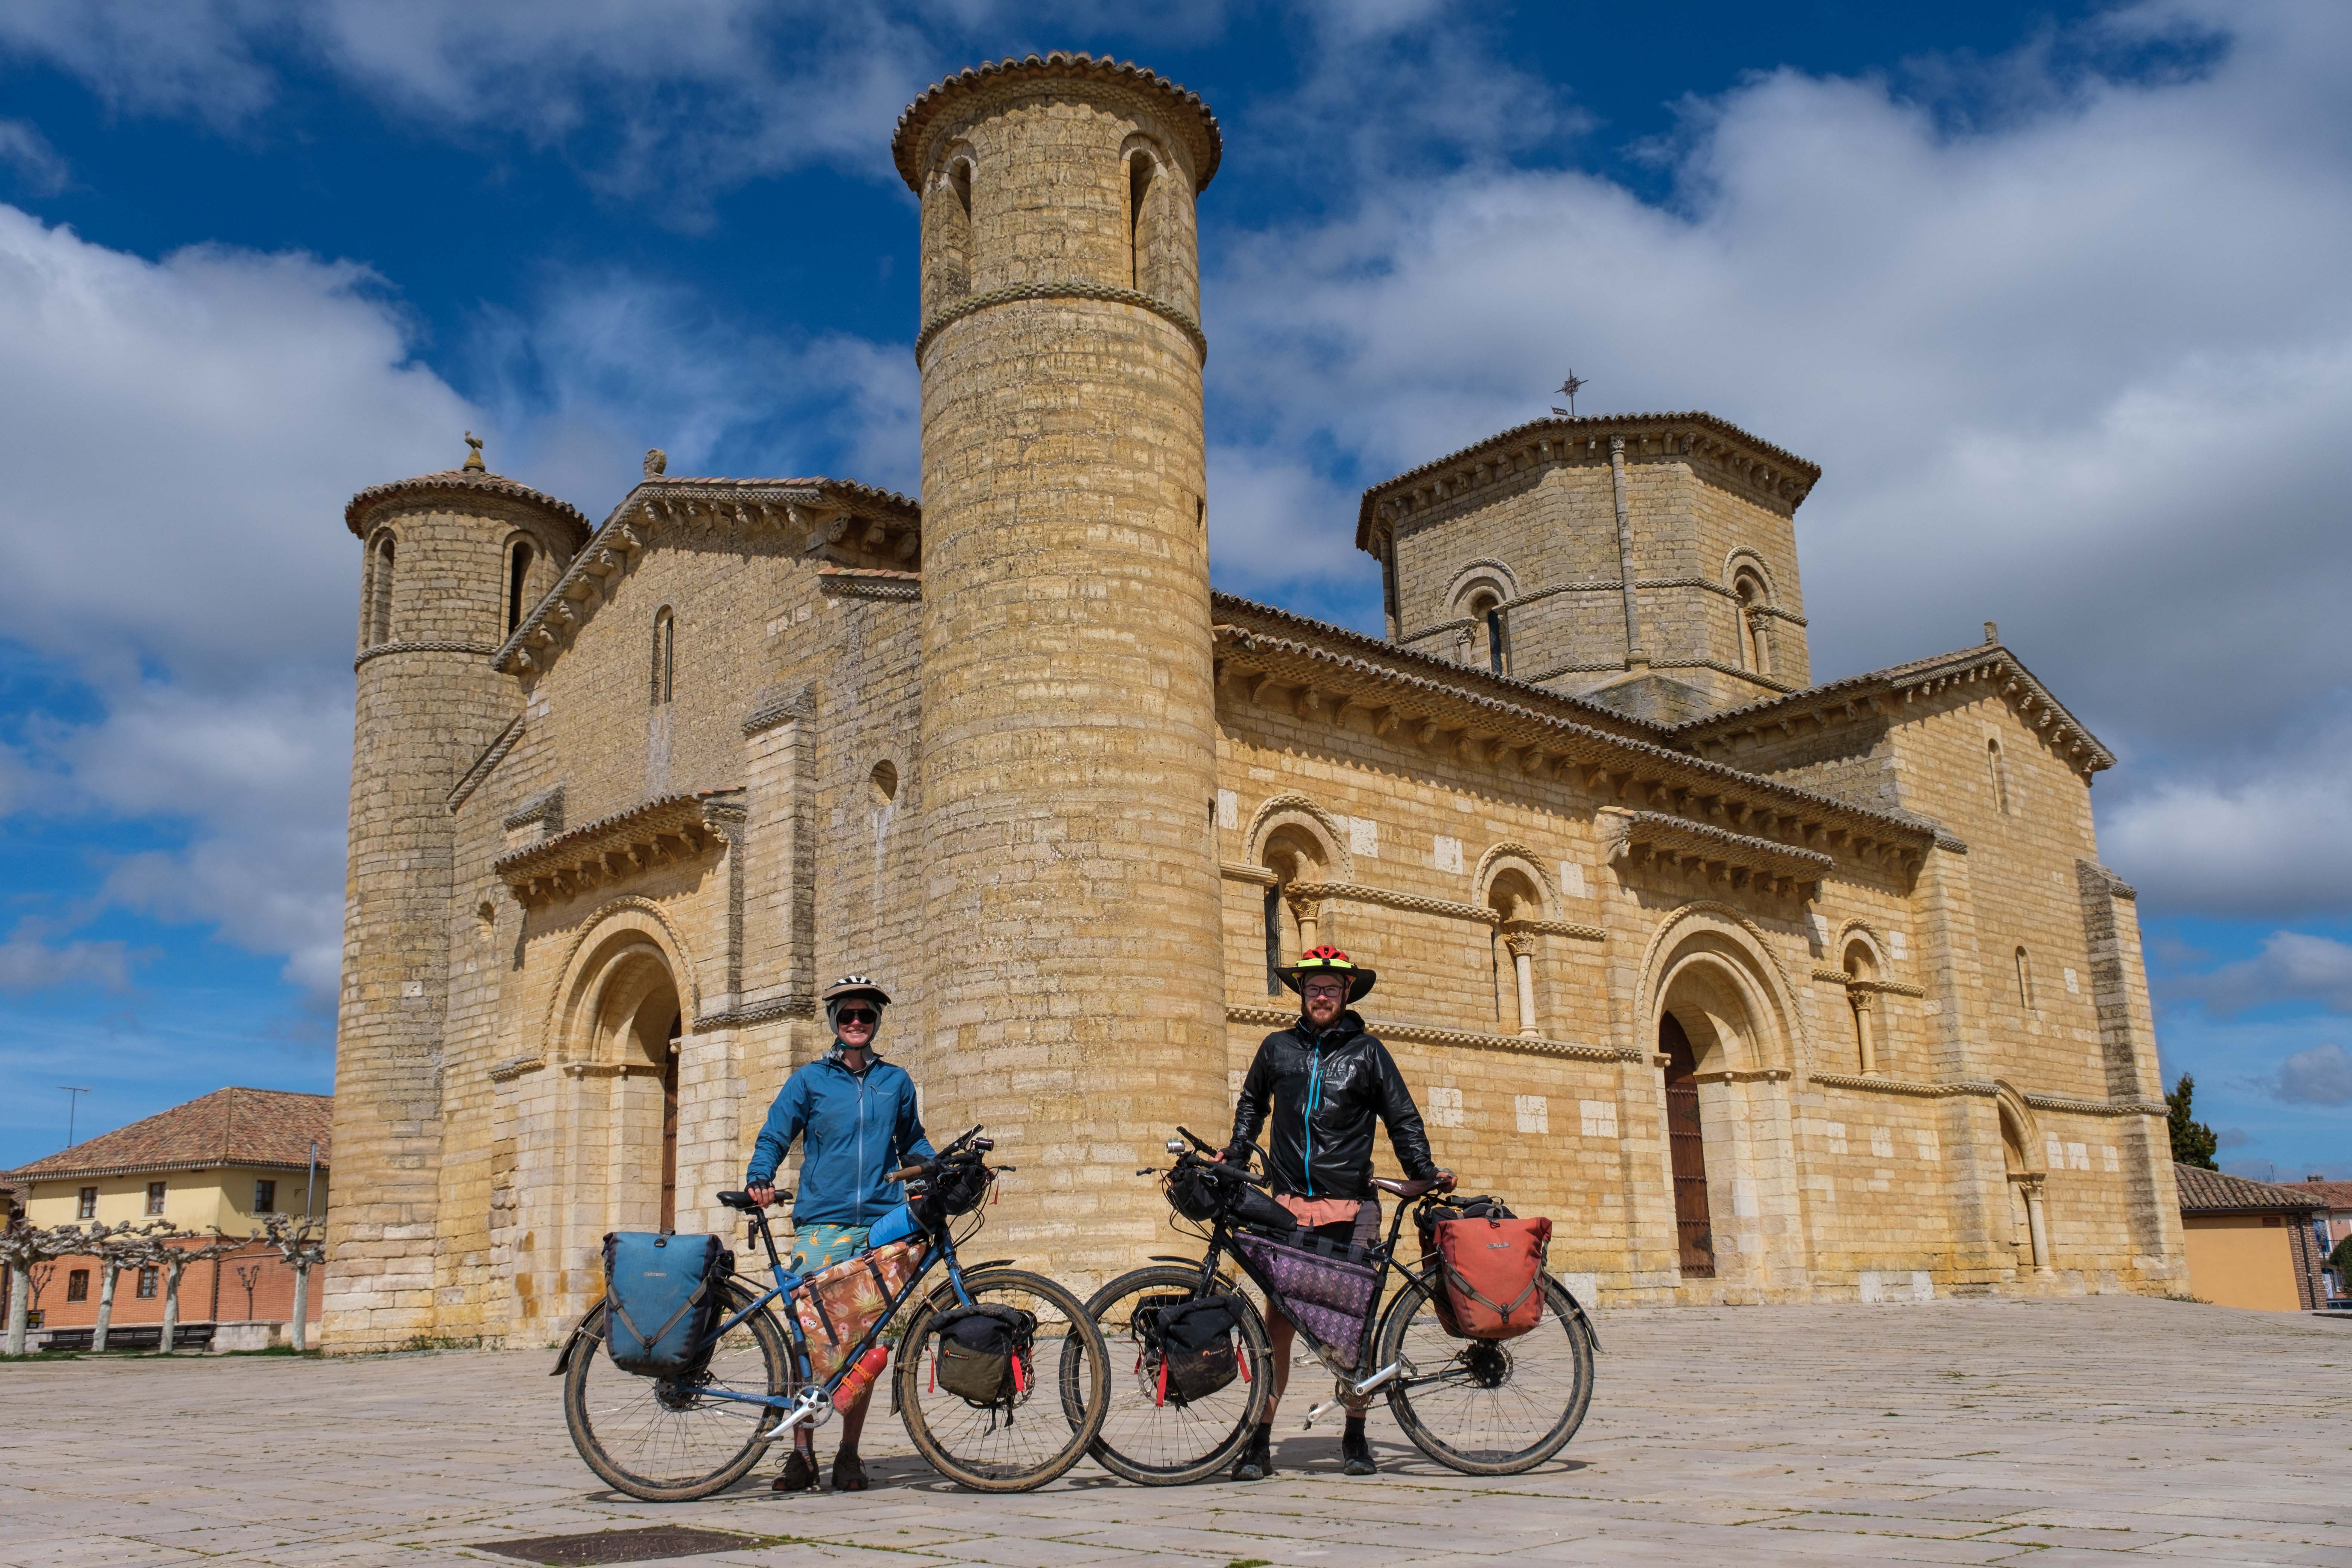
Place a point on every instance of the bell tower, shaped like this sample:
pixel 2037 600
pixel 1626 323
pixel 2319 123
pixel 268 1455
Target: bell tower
pixel 1068 715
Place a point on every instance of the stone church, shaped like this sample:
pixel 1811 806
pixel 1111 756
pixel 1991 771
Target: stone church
pixel 1763 989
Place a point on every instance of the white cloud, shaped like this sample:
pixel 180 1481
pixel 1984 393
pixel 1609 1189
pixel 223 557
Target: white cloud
pixel 24 149
pixel 2320 1076
pixel 2276 843
pixel 2292 966
pixel 29 961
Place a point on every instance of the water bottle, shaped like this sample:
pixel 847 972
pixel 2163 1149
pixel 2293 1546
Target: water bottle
pixel 862 1373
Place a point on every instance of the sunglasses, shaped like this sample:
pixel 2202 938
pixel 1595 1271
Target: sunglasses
pixel 859 1016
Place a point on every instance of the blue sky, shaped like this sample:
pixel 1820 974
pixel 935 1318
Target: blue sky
pixel 2055 294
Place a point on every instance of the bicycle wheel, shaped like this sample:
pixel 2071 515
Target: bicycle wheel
pixel 1019 1447
pixel 1158 1441
pixel 668 1440
pixel 1487 1407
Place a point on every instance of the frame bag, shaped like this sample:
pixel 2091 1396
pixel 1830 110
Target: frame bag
pixel 984 1354
pixel 662 1296
pixel 835 1305
pixel 1492 1268
pixel 1191 1340
pixel 1323 1285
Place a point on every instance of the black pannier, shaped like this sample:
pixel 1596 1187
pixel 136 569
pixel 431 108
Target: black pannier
pixel 983 1353
pixel 1192 1340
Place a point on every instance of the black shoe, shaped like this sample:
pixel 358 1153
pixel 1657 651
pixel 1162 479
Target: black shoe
pixel 848 1475
pixel 798 1474
pixel 1256 1463
pixel 1355 1451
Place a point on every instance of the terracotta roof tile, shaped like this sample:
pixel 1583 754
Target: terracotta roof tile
pixel 906 141
pixel 2215 1192
pixel 2335 1194
pixel 227 1127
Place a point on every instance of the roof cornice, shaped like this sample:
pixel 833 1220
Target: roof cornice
pixel 1718 448
pixel 1189 113
pixel 401 494
pixel 639 839
pixel 1881 693
pixel 819 511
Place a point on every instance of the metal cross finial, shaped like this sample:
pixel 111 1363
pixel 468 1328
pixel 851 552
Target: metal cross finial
pixel 1568 389
pixel 474 464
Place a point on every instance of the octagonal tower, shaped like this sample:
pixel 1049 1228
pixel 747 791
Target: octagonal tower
pixel 1068 715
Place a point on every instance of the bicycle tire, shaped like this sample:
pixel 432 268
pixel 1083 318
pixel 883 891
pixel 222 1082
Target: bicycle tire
pixel 942 1427
pixel 1127 1418
pixel 1466 1375
pixel 639 1406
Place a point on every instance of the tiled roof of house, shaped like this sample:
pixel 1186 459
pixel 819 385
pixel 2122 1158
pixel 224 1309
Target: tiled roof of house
pixel 2335 1194
pixel 2216 1192
pixel 12 1192
pixel 227 1127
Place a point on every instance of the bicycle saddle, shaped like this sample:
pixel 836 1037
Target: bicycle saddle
pixel 1403 1189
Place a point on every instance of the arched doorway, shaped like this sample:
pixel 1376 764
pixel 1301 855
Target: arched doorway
pixel 1686 1145
pixel 2028 1226
pixel 636 1036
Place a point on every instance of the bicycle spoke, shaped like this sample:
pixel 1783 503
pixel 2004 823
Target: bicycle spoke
pixel 1040 1429
pixel 1489 1407
pixel 1148 1436
pixel 666 1440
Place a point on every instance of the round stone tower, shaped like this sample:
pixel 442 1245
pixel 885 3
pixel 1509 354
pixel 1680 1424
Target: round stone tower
pixel 450 562
pixel 1068 778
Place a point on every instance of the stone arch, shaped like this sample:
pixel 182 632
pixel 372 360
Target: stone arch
pixel 2021 1135
pixel 377 585
pixel 1307 824
pixel 624 925
pixel 1506 863
pixel 1479 592
pixel 1741 558
pixel 2024 1168
pixel 1485 570
pixel 1862 958
pixel 1723 951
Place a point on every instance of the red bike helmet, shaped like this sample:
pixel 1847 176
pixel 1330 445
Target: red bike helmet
pixel 1329 961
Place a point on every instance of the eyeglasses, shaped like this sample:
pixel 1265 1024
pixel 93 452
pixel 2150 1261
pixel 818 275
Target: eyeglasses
pixel 859 1016
pixel 1326 990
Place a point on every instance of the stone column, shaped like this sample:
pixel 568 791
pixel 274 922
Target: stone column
pixel 1068 720
pixel 1523 964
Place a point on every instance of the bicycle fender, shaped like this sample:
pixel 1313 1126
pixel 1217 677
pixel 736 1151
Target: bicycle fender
pixel 571 1343
pixel 1582 1315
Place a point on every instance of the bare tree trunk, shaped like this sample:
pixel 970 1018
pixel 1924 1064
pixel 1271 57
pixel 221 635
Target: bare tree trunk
pixel 20 1286
pixel 301 1328
pixel 105 1307
pixel 171 1272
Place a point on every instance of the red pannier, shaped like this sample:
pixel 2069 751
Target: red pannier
pixel 1492 1268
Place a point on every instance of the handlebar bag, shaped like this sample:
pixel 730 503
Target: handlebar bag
pixel 983 1353
pixel 1493 1269
pixel 662 1295
pixel 958 1189
pixel 1189 1350
pixel 835 1305
pixel 1323 1285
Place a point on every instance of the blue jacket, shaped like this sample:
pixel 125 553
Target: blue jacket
pixel 853 1127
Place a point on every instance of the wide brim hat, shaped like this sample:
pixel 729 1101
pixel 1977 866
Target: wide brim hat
pixel 1329 961
pixel 853 985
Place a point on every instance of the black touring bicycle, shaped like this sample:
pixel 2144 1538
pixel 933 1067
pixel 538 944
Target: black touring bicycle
pixel 1191 1356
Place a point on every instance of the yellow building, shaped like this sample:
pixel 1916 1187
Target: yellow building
pixel 217 1163
pixel 2251 1244
pixel 1762 988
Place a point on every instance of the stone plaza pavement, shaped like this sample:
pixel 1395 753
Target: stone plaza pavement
pixel 2049 1432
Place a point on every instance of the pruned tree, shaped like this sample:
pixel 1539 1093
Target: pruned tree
pixel 119 1248
pixel 177 1261
pixel 25 1248
pixel 302 1243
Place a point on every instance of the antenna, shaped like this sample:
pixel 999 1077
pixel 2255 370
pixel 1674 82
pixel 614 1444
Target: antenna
pixel 1568 389
pixel 71 1106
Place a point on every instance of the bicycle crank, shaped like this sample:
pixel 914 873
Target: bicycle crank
pixel 811 1410
pixel 1357 1390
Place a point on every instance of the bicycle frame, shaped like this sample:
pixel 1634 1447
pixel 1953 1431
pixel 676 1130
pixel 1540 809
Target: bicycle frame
pixel 814 1401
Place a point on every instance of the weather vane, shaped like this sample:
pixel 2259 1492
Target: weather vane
pixel 1568 389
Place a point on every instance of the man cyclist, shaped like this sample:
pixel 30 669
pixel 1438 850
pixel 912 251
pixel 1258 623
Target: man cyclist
pixel 855 1114
pixel 1325 1081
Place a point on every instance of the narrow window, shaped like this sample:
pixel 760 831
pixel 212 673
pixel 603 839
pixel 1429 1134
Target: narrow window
pixel 154 1197
pixel 1998 767
pixel 665 655
pixel 1755 642
pixel 1138 192
pixel 518 569
pixel 1498 646
pixel 948 220
pixel 2024 980
pixel 1274 941
pixel 264 1197
pixel 380 594
pixel 89 1207
pixel 147 1280
pixel 78 1285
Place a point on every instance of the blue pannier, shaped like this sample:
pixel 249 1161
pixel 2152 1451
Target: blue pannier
pixel 662 1296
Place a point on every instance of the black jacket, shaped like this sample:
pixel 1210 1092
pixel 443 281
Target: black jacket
pixel 1324 1094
